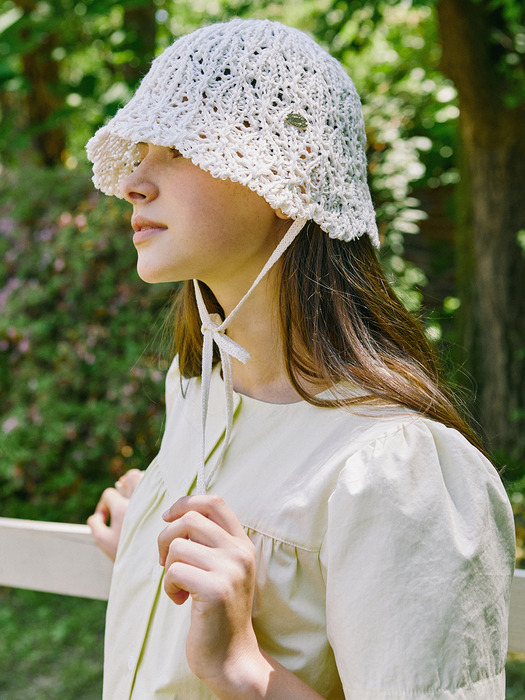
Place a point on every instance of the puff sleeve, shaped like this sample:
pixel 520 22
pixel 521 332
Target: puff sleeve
pixel 418 558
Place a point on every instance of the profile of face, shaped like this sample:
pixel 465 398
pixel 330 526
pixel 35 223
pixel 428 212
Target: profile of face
pixel 189 224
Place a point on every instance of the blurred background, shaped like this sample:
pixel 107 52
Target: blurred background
pixel 82 361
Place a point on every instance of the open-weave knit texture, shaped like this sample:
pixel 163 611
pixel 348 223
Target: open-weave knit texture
pixel 258 103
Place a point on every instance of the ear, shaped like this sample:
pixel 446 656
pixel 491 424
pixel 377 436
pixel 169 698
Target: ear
pixel 280 215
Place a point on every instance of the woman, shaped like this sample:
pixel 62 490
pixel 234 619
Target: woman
pixel 331 516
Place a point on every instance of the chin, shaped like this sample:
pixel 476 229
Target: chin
pixel 156 275
pixel 150 276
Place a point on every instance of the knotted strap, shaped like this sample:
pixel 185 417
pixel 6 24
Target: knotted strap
pixel 214 330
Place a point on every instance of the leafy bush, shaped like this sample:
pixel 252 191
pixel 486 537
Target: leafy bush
pixel 81 400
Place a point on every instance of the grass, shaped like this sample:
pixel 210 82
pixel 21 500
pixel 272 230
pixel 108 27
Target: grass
pixel 51 648
pixel 515 677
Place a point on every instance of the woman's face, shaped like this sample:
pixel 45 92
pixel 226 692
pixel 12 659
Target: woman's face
pixel 189 224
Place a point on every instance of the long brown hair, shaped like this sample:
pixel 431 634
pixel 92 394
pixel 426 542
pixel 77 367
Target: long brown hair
pixel 341 324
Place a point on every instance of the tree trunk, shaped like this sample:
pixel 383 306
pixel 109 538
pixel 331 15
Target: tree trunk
pixel 140 28
pixel 491 262
pixel 43 98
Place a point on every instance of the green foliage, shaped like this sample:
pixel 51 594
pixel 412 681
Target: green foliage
pixel 51 646
pixel 92 46
pixel 391 50
pixel 80 398
pixel 505 22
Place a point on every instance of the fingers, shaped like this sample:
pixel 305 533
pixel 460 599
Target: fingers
pixel 212 507
pixel 191 526
pixel 205 551
pixel 207 573
pixel 182 580
pixel 128 482
pixel 186 560
pixel 110 501
pixel 106 521
pixel 103 535
pixel 97 524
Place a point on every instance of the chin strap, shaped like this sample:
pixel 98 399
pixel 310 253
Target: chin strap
pixel 214 331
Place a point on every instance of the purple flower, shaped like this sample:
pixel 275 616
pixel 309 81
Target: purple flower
pixel 7 226
pixel 10 424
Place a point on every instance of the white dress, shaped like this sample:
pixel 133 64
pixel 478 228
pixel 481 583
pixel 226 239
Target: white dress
pixel 385 549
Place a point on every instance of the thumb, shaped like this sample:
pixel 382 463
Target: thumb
pixel 97 523
pixel 103 535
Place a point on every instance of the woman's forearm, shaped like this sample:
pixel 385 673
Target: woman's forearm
pixel 260 678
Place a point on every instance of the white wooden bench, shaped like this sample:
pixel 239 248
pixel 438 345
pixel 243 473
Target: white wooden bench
pixel 61 558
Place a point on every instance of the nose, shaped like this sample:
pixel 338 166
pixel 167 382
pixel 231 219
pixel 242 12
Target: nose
pixel 139 185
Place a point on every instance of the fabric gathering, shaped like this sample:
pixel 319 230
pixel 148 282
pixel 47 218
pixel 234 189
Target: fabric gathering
pixel 383 538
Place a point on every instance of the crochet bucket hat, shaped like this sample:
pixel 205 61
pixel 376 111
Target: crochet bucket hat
pixel 261 104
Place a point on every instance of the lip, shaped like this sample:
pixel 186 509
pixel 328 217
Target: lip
pixel 145 229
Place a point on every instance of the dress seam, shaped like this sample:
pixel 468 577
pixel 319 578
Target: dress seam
pixel 304 548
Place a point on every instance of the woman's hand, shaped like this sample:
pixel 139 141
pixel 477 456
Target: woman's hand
pixel 128 482
pixel 106 521
pixel 208 556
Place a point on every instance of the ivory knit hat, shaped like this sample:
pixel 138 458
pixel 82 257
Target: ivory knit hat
pixel 259 103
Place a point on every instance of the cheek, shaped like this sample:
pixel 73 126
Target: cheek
pixel 220 215
pixel 227 200
pixel 198 205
